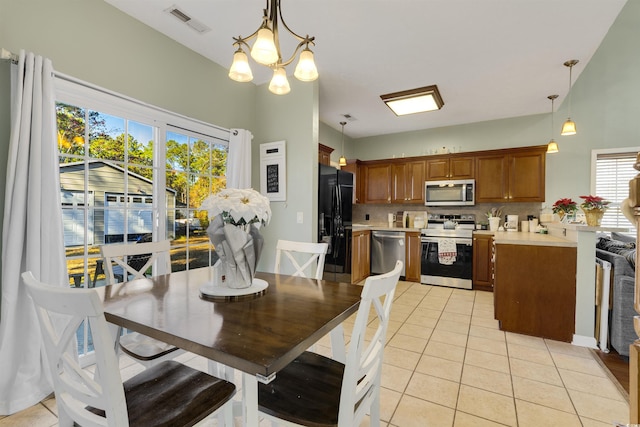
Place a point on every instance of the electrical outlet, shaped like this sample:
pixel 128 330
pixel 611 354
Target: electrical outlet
pixel 299 218
pixel 366 217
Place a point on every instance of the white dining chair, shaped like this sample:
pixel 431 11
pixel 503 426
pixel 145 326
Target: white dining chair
pixel 301 256
pixel 133 260
pixel 319 391
pixel 169 393
pixel 301 252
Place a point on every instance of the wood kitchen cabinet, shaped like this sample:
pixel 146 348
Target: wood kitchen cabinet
pixel 324 154
pixel 535 290
pixel 482 262
pixel 412 256
pixel 450 168
pixel 517 175
pixel 377 183
pixel 360 255
pixel 407 182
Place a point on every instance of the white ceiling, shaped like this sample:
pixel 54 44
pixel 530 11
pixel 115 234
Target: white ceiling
pixel 491 59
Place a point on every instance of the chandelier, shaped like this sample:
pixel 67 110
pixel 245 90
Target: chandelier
pixel 266 51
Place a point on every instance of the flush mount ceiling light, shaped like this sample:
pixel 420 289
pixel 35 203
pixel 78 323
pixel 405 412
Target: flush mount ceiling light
pixel 552 146
pixel 413 101
pixel 343 159
pixel 266 51
pixel 569 127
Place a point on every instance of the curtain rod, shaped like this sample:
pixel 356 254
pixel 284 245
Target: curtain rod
pixel 5 54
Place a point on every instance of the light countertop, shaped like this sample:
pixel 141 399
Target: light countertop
pixel 526 238
pixel 584 227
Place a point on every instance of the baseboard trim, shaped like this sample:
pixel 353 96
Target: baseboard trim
pixel 583 341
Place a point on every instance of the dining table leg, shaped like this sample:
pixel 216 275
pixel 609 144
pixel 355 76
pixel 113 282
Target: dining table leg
pixel 250 399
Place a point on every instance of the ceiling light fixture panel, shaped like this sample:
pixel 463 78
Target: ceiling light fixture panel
pixel 413 101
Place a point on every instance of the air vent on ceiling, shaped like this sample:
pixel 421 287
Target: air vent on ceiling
pixel 182 16
pixel 349 117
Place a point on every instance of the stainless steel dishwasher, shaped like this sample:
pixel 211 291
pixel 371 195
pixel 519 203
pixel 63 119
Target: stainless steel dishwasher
pixel 387 247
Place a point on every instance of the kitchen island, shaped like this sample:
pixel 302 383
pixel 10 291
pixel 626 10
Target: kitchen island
pixel 535 284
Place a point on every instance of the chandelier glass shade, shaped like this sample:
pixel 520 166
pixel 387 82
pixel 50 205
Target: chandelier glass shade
pixel 240 70
pixel 279 83
pixel 266 51
pixel 569 127
pixel 552 146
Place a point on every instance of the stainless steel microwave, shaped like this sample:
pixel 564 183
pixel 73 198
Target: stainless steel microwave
pixel 457 192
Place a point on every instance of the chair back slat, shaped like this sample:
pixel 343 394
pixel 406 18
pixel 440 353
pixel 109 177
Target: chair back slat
pixel 364 361
pixel 135 258
pixel 60 312
pixel 294 251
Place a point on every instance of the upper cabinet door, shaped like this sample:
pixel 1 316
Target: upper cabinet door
pixel 518 176
pixel 377 183
pixel 407 182
pixel 526 176
pixel 437 169
pixel 462 167
pixel 450 168
pixel 491 179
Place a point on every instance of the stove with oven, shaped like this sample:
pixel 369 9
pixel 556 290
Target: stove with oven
pixel 447 251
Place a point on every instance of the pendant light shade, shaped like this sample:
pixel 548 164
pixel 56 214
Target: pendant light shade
pixel 264 49
pixel 569 127
pixel 240 70
pixel 306 70
pixel 552 146
pixel 343 159
pixel 279 83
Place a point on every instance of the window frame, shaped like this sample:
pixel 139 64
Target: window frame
pixel 593 182
pixel 74 92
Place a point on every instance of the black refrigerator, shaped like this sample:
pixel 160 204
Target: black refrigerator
pixel 335 197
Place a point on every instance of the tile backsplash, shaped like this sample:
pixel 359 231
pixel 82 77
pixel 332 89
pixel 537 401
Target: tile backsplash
pixel 378 214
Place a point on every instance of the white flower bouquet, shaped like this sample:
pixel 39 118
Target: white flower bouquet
pixel 239 207
pixel 235 217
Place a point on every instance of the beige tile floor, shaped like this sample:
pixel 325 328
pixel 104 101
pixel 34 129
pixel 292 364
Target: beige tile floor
pixel 448 365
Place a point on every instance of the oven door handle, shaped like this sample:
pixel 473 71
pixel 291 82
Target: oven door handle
pixel 468 242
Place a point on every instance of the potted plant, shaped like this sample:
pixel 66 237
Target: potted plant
pixel 235 218
pixel 565 206
pixel 594 207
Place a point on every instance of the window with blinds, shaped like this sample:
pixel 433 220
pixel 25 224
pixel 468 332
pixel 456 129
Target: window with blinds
pixel 613 173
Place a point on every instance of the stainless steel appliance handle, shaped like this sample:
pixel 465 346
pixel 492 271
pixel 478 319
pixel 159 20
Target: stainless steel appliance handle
pixel 458 240
pixel 389 234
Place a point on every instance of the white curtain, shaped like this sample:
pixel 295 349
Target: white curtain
pixel 239 159
pixel 32 235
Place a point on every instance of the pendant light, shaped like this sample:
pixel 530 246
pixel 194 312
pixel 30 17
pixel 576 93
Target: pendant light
pixel 343 160
pixel 552 146
pixel 569 127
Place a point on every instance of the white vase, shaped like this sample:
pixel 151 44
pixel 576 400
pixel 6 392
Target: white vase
pixel 494 223
pixel 239 250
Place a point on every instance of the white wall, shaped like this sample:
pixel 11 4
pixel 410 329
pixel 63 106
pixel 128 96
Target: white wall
pixel 293 118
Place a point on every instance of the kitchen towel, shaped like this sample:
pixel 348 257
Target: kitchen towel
pixel 447 251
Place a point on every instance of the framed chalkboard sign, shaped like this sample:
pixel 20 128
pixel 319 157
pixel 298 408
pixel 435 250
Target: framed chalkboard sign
pixel 273 171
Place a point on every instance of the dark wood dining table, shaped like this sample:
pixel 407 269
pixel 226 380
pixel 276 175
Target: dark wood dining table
pixel 257 335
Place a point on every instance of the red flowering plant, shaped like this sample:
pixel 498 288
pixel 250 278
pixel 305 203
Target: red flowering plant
pixel 565 206
pixel 594 202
